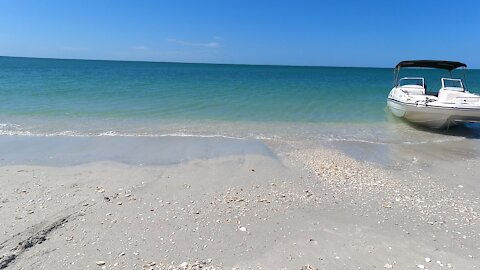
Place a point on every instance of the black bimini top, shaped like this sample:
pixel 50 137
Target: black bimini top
pixel 448 65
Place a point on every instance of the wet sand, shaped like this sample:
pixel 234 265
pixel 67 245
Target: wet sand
pixel 222 203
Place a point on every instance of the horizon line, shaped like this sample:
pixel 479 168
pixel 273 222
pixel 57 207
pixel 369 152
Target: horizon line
pixel 175 62
pixel 200 63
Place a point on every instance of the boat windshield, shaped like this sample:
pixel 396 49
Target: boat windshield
pixel 411 81
pixel 452 83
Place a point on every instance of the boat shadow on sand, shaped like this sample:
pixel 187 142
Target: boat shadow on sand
pixel 466 130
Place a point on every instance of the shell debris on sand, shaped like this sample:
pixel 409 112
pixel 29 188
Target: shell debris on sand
pixel 197 265
pixel 408 199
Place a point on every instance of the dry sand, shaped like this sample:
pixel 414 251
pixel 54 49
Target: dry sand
pixel 231 204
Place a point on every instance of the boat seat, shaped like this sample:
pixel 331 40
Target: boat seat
pixel 449 94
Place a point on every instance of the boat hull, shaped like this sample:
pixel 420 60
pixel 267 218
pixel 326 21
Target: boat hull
pixel 433 116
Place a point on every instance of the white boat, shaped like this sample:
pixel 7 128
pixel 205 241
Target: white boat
pixel 451 106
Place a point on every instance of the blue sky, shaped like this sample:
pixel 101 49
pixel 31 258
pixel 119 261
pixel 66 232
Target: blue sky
pixel 324 33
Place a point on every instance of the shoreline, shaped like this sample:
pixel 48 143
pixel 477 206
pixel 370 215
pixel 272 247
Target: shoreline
pixel 141 151
pixel 243 204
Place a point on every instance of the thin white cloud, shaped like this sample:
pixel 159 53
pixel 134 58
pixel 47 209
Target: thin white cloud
pixel 140 48
pixel 212 44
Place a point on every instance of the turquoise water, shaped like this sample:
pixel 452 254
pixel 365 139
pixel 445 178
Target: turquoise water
pixel 48 95
pixel 73 88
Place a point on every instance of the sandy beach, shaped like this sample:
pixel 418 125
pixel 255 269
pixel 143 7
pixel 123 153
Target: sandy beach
pixel 239 135
pixel 221 203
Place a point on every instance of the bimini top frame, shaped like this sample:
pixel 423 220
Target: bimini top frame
pixel 440 64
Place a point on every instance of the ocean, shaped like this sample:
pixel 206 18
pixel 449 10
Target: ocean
pixel 47 97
